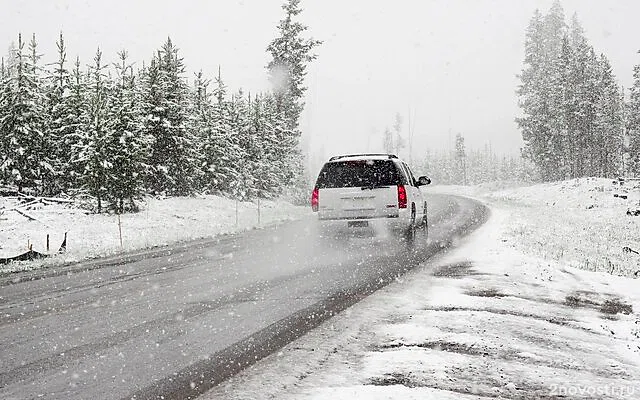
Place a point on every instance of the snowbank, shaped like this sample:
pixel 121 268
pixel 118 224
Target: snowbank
pixel 581 222
pixel 160 222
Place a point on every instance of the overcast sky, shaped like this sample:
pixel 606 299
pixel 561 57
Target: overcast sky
pixel 452 64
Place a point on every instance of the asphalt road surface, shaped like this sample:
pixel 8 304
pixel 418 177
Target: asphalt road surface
pixel 173 322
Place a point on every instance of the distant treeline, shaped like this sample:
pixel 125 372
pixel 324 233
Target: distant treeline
pixel 475 166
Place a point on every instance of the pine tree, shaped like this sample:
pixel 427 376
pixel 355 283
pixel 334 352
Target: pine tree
pixel 22 124
pixel 461 158
pixel 237 129
pixel 291 53
pixel 94 152
pixel 262 145
pixel 568 109
pixel 61 121
pixel 387 141
pixel 10 60
pixel 247 141
pixel 585 74
pixel 633 124
pixel 5 129
pixel 278 160
pixel 609 124
pixel 75 133
pixel 397 128
pixel 533 100
pixel 45 145
pixel 167 106
pixel 127 144
pixel 220 151
pixel 202 126
pixel 571 122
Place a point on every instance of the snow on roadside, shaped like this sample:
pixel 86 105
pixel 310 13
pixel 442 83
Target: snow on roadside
pixel 160 222
pixel 495 318
pixel 582 222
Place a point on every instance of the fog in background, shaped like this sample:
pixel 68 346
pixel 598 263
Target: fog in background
pixel 447 66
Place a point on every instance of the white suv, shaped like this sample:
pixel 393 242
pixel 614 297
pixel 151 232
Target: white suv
pixel 369 193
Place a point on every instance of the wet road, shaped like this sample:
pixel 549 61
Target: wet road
pixel 173 322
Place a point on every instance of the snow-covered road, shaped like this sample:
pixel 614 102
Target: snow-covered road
pixel 175 321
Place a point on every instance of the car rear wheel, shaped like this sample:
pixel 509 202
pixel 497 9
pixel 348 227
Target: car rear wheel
pixel 424 224
pixel 425 227
pixel 410 232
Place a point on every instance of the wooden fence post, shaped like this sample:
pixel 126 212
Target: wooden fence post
pixel 120 230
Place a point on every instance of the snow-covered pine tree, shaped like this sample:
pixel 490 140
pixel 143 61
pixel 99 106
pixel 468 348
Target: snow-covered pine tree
pixel 565 93
pixel 202 126
pixel 532 99
pixel 397 130
pixel 286 155
pixel 581 124
pixel 10 60
pixel 568 109
pixel 633 124
pixel 236 126
pixel 220 151
pixel 46 143
pixel 291 53
pixel 609 124
pixel 167 106
pixel 262 144
pixel 61 122
pixel 127 144
pixel 153 114
pixel 246 138
pixel 5 133
pixel 461 160
pixel 541 91
pixel 274 167
pixel 553 83
pixel 95 151
pixel 201 95
pixel 387 141
pixel 76 111
pixel 22 123
pixel 210 148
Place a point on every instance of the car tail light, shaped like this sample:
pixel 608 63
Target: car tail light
pixel 314 200
pixel 402 197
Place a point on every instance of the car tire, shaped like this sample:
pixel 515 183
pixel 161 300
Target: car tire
pixel 410 232
pixel 425 223
pixel 425 228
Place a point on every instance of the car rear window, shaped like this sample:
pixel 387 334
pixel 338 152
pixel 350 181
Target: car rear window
pixel 360 173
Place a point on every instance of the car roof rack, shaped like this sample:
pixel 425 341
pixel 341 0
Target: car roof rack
pixel 364 154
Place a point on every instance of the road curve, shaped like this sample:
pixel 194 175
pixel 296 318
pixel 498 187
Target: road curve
pixel 175 321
